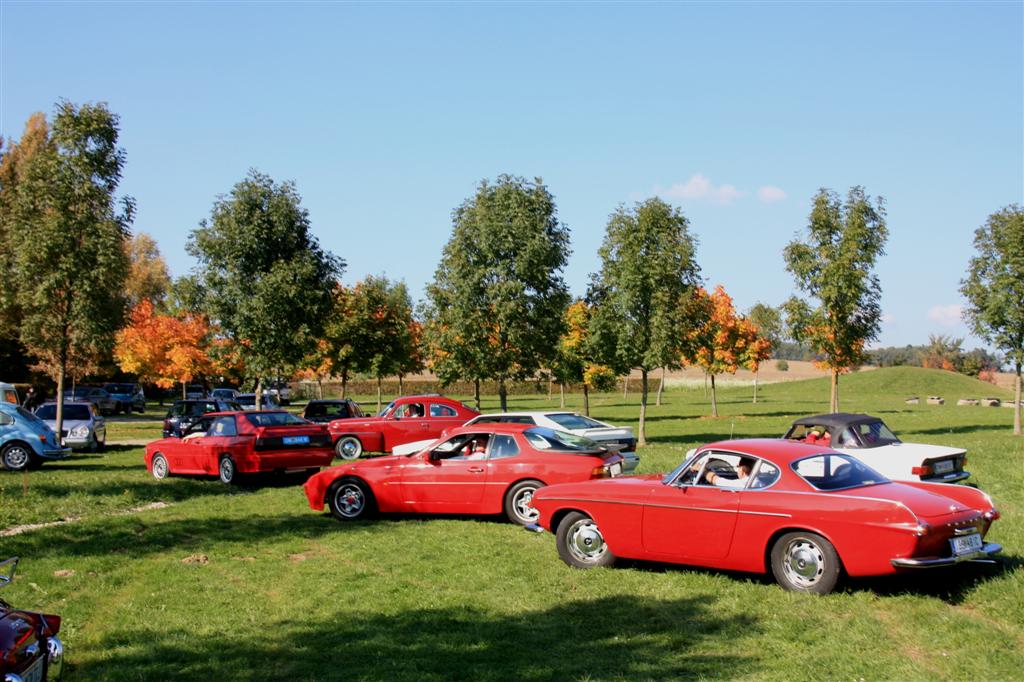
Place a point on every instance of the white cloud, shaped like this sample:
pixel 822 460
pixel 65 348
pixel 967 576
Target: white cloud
pixel 946 315
pixel 770 194
pixel 699 187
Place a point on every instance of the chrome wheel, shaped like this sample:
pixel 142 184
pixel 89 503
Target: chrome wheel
pixel 349 447
pixel 521 505
pixel 227 470
pixel 16 457
pixel 803 563
pixel 159 466
pixel 349 501
pixel 585 541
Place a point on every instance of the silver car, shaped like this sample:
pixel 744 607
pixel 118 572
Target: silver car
pixel 84 426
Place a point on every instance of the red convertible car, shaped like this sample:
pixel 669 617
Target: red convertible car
pixel 803 512
pixel 226 444
pixel 404 420
pixel 480 469
pixel 30 650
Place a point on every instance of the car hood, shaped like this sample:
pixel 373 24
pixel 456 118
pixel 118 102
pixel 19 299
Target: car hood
pixel 923 503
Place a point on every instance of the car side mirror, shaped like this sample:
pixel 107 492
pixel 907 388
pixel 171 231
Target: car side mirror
pixel 434 456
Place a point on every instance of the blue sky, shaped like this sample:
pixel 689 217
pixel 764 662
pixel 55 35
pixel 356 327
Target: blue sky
pixel 386 116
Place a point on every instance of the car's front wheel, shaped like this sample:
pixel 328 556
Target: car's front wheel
pixel 348 447
pixel 16 457
pixel 581 544
pixel 805 562
pixel 517 502
pixel 160 467
pixel 226 470
pixel 350 500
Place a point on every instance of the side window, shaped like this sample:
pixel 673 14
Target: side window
pixel 179 410
pixel 767 473
pixel 846 439
pixel 409 411
pixel 223 426
pixel 316 410
pixel 503 446
pixel 441 411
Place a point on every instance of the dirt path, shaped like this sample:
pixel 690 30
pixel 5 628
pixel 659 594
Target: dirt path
pixel 29 527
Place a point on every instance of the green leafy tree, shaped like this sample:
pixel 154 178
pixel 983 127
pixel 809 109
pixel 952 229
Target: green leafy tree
pixel 383 311
pixel 495 305
pixel 68 233
pixel 262 277
pixel 574 362
pixel 833 264
pixel 148 277
pixel 994 289
pixel 640 315
pixel 769 331
pixel 343 336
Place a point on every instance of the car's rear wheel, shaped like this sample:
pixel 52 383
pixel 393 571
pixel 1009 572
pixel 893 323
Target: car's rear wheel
pixel 160 467
pixel 226 470
pixel 350 500
pixel 348 447
pixel 805 562
pixel 581 544
pixel 517 502
pixel 16 457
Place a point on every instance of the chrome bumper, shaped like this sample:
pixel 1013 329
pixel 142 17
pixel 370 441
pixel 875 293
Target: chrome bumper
pixel 953 477
pixel 630 461
pixel 986 550
pixel 56 453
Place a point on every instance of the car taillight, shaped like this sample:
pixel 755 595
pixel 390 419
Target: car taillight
pixel 925 470
pixel 600 472
pixel 51 625
pixel 42 438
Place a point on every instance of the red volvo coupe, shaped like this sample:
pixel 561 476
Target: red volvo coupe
pixel 226 444
pixel 480 469
pixel 803 512
pixel 404 420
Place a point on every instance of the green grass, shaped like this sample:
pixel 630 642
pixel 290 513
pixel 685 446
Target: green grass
pixel 287 593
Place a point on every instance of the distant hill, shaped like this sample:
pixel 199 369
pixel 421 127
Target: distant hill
pixel 903 382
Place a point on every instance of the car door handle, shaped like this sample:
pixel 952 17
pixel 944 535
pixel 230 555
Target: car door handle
pixel 476 470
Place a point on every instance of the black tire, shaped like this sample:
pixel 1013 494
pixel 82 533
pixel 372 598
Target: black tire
pixel 516 499
pixel 103 443
pixel 580 543
pixel 227 472
pixel 349 499
pixel 94 444
pixel 16 456
pixel 348 448
pixel 805 562
pixel 161 469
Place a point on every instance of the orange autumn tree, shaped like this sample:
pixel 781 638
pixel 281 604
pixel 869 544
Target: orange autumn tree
pixel 574 363
pixel 756 350
pixel 720 343
pixel 163 349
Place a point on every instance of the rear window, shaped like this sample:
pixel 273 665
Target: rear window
pixel 574 421
pixel 274 419
pixel 836 472
pixel 441 411
pixel 74 412
pixel 559 441
pixel 334 410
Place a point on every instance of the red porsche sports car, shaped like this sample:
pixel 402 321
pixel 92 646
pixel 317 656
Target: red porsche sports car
pixel 226 444
pixel 480 469
pixel 803 512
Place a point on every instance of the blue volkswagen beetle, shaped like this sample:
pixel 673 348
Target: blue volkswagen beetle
pixel 25 439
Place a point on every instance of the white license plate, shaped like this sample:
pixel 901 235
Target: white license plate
pixel 295 440
pixel 616 469
pixel 965 544
pixel 944 466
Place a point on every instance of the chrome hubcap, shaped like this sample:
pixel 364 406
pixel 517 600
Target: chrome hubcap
pixel 348 448
pixel 521 505
pixel 227 469
pixel 16 458
pixel 585 541
pixel 159 467
pixel 804 563
pixel 349 500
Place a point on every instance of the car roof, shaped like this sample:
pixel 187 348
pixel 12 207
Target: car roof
pixel 68 402
pixel 531 413
pixel 778 450
pixel 493 427
pixel 328 401
pixel 836 420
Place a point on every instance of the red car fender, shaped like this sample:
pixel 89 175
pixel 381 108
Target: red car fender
pixel 373 441
pixel 316 486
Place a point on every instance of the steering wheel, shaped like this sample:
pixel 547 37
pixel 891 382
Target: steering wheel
pixel 718 466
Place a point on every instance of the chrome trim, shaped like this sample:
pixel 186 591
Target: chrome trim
pixel 667 506
pixel 676 506
pixel 533 528
pixel 755 513
pixel 55 654
pixel 948 479
pixel 986 550
pixel 969 530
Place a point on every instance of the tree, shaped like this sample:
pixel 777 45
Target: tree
pixel 262 277
pixel 148 277
pixel 720 344
pixel 834 265
pixel 383 312
pixel 412 356
pixel 994 289
pixel 497 298
pixel 343 336
pixel 764 326
pixel 68 261
pixel 640 317
pixel 943 352
pixel 574 362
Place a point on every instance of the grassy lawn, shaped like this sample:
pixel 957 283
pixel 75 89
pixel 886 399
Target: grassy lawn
pixel 249 583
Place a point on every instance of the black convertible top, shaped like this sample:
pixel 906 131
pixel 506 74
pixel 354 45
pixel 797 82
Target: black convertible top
pixel 837 420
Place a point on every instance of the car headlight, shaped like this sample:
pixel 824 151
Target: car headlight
pixel 80 431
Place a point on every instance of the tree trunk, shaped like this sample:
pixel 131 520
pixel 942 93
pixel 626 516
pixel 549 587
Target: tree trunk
pixel 714 398
pixel 320 387
pixel 60 404
pixel 586 399
pixel 184 391
pixel 344 383
pixel 561 395
pixel 378 395
pixel 625 386
pixel 661 388
pixel 755 387
pixel 476 394
pixel 642 437
pixel 834 399
pixel 503 394
pixel 550 381
pixel 1016 405
pixel 259 393
pixel 705 384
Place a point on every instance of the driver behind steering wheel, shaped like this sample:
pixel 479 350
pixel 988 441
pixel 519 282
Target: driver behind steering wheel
pixel 743 469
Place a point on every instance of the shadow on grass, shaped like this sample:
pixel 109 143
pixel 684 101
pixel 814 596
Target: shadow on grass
pixel 620 637
pixel 963 428
pixel 952 585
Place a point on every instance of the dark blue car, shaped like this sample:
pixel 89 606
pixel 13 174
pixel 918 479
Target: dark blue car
pixel 25 440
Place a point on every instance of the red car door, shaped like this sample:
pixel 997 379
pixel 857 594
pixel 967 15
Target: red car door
pixel 406 424
pixel 449 483
pixel 690 521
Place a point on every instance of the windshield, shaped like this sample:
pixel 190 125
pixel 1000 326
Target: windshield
pixel 274 419
pixel 387 410
pixel 833 471
pixel 574 421
pixel 561 441
pixel 875 434
pixel 73 412
pixel 29 416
